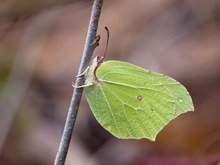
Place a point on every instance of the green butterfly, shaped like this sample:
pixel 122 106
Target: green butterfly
pixel 131 102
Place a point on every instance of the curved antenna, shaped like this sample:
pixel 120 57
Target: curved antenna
pixel 106 28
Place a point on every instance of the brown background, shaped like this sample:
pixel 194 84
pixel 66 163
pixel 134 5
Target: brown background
pixel 41 43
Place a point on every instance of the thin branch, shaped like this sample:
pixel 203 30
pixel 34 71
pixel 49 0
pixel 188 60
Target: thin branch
pixel 90 44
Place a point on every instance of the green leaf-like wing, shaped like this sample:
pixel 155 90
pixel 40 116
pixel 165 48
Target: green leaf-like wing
pixel 131 102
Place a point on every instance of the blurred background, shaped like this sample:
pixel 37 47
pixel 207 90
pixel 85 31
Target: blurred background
pixel 41 43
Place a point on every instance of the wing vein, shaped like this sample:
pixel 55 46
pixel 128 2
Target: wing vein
pixel 135 112
pixel 109 106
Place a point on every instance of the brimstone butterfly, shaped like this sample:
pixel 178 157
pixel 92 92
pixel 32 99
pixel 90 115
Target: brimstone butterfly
pixel 131 102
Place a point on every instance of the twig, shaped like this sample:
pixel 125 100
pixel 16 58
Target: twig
pixel 90 44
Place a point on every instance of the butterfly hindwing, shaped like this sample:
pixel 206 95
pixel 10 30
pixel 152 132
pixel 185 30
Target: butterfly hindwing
pixel 131 102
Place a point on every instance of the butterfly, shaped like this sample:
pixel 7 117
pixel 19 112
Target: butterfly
pixel 131 102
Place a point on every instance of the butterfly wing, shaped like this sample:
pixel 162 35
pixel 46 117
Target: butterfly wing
pixel 131 102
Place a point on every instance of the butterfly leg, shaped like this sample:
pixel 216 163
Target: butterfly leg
pixel 83 73
pixel 82 86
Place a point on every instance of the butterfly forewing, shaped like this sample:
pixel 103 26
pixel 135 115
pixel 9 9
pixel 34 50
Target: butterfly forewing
pixel 131 102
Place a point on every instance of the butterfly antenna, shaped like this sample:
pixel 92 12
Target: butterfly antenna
pixel 106 28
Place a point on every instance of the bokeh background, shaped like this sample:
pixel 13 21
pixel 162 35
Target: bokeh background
pixel 41 43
